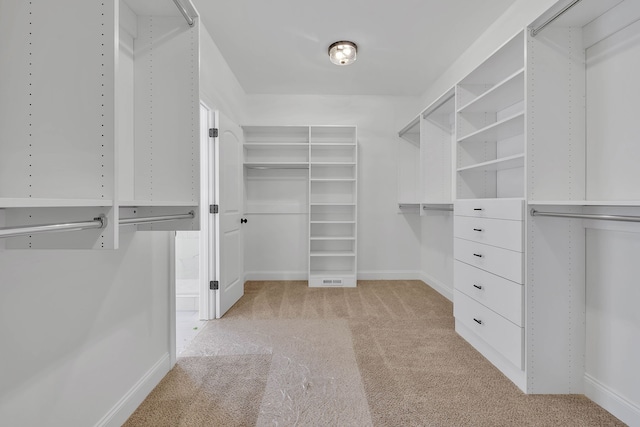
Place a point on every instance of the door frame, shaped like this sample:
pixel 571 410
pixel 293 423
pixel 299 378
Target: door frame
pixel 208 224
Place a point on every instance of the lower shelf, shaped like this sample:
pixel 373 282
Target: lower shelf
pixel 332 279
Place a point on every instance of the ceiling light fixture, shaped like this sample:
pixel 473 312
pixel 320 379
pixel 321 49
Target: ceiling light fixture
pixel 343 52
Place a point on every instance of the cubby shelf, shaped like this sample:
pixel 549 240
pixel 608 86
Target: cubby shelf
pixel 332 254
pixel 505 93
pixel 276 165
pixel 504 163
pixel 45 203
pixel 503 129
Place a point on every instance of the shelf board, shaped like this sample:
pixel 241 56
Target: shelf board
pixel 332 204
pixel 276 145
pixel 504 163
pixel 332 222
pixel 503 129
pixel 503 94
pixel 329 273
pixel 333 163
pixel 332 253
pixel 276 165
pixel 29 202
pixel 438 202
pixel 622 203
pixel 333 238
pixel 333 145
pixel 334 179
pixel 151 203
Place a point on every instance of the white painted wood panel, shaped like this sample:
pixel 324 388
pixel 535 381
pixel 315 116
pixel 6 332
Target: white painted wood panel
pixel 497 331
pixel 500 208
pixel 503 262
pixel 502 233
pixel 500 295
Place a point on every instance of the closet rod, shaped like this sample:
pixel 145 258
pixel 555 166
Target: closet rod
pixel 184 12
pixel 437 208
pixel 587 216
pixel 535 31
pixel 150 219
pixel 98 222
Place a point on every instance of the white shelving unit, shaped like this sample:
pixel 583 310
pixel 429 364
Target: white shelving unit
pixel 306 171
pixel 75 144
pixel 333 157
pixel 490 117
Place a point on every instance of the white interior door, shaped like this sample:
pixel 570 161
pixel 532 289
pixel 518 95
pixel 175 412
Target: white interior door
pixel 229 199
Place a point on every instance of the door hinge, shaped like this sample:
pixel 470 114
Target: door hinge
pixel 213 132
pixel 213 209
pixel 214 285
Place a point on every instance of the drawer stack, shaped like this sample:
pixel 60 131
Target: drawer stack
pixel 489 273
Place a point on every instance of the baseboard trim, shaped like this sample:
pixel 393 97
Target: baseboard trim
pixel 618 406
pixel 275 275
pixel 136 395
pixel 389 275
pixel 438 286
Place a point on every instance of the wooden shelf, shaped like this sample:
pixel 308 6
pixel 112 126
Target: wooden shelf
pixel 333 179
pixel 333 253
pixel 504 163
pixel 332 222
pixel 151 203
pixel 604 203
pixel 502 95
pixel 276 165
pixel 276 145
pixel 334 238
pixel 503 129
pixel 53 203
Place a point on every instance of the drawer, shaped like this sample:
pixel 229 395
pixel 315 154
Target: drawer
pixel 490 208
pixel 504 336
pixel 502 262
pixel 500 295
pixel 503 233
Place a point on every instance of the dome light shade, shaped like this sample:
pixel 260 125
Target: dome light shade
pixel 343 52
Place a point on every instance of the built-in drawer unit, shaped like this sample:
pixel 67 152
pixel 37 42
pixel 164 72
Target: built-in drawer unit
pixel 502 262
pixel 495 330
pixel 495 232
pixel 491 208
pixel 500 295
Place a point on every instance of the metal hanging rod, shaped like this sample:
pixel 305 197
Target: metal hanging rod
pixel 437 208
pixel 535 31
pixel 184 12
pixel 150 219
pixel 587 216
pixel 98 222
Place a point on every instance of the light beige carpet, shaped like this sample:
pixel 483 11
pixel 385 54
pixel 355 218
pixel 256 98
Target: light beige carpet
pixel 383 354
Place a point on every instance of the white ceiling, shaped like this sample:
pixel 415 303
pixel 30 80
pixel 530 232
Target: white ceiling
pixel 280 46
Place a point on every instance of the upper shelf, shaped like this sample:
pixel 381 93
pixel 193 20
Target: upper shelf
pixel 504 94
pixel 503 163
pixel 47 203
pixel 277 165
pixel 503 129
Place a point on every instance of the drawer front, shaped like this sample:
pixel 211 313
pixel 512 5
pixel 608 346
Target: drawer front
pixel 490 208
pixel 500 295
pixel 495 330
pixel 503 233
pixel 502 262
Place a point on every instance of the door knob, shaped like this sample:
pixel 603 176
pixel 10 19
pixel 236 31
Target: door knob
pixel 243 220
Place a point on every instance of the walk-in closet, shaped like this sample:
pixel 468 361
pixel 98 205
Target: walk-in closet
pixel 259 213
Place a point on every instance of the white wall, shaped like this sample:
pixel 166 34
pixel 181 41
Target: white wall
pixel 388 243
pixel 219 88
pixel 79 329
